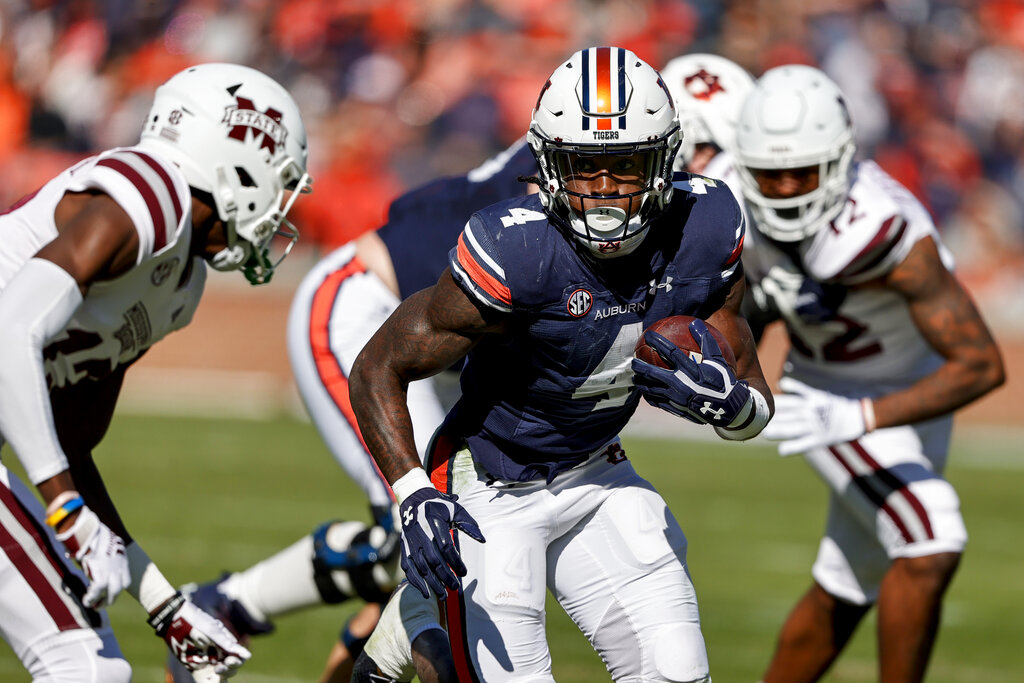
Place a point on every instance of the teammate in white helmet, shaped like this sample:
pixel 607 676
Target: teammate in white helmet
pixel 527 486
pixel 709 91
pixel 96 266
pixel 884 345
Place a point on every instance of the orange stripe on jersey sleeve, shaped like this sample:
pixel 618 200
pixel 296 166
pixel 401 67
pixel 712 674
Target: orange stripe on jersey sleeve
pixel 736 252
pixel 481 277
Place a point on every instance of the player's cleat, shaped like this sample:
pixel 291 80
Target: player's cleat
pixel 209 598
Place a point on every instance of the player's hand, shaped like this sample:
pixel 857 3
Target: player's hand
pixel 100 552
pixel 807 418
pixel 200 642
pixel 706 392
pixel 429 557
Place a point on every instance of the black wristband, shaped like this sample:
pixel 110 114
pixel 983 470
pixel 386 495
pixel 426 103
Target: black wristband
pixel 161 621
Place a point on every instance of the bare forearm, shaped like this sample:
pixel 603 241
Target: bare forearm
pixel 740 337
pixel 92 489
pixel 428 332
pixel 379 402
pixel 944 391
pixel 947 318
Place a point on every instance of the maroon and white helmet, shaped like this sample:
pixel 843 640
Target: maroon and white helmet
pixel 709 92
pixel 604 101
pixel 237 134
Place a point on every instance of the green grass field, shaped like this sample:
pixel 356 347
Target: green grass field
pixel 207 495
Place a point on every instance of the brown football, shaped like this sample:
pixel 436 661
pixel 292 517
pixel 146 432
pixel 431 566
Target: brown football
pixel 676 329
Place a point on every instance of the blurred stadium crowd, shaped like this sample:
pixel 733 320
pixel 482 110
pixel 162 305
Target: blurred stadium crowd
pixel 396 92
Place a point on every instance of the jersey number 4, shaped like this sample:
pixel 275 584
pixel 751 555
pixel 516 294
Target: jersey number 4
pixel 519 216
pixel 613 376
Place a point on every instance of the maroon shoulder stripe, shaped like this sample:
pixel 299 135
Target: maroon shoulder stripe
pixel 887 237
pixel 152 203
pixel 168 183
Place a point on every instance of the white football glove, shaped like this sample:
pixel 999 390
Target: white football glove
pixel 101 554
pixel 806 418
pixel 199 641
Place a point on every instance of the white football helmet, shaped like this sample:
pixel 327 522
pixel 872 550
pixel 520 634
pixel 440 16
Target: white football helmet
pixel 709 92
pixel 237 134
pixel 604 101
pixel 795 117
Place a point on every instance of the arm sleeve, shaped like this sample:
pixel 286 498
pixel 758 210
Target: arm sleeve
pixel 35 306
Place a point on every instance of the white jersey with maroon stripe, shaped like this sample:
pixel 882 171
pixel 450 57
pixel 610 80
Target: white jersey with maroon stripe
pixel 848 334
pixel 44 620
pixel 118 319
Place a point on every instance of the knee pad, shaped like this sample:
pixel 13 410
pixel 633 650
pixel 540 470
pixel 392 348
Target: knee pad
pixel 114 671
pixel 680 655
pixel 350 559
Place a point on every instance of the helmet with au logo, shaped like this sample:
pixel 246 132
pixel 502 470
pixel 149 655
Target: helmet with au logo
pixel 604 101
pixel 238 135
pixel 709 91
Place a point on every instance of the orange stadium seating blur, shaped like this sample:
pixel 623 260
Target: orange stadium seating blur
pixel 397 92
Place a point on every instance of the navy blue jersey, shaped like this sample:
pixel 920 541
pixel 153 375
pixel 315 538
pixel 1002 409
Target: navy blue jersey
pixel 424 223
pixel 559 386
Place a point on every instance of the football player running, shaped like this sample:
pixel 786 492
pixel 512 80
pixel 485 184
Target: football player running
pixel 527 484
pixel 339 304
pixel 885 345
pixel 95 267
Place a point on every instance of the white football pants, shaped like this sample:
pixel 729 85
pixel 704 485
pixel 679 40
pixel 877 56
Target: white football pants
pixel 888 499
pixel 603 541
pixel 56 638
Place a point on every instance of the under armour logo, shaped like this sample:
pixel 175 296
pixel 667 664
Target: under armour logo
pixel 717 414
pixel 655 286
pixel 407 516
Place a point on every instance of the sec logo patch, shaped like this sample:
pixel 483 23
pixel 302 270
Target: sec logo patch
pixel 579 303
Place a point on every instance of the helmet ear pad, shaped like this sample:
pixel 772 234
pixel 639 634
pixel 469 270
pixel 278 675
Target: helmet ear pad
pixel 604 101
pixel 796 117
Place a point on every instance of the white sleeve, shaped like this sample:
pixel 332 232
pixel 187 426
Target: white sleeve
pixel 37 304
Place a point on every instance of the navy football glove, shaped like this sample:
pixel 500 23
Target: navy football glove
pixel 706 392
pixel 429 556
